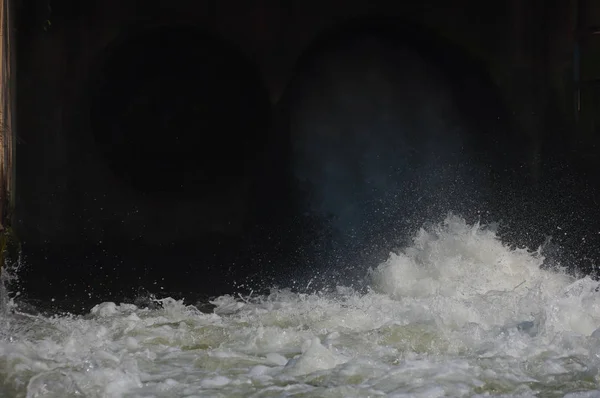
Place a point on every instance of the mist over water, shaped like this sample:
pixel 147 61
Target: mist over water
pixel 454 313
pixel 381 144
pixel 362 131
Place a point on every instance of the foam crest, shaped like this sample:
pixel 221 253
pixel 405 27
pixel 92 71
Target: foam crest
pixel 455 259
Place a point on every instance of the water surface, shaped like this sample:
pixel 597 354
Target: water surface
pixel 458 313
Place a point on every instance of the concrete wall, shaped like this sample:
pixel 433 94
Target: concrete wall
pixel 86 229
pixel 63 42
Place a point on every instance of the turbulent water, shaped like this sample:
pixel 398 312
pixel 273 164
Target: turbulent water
pixel 458 313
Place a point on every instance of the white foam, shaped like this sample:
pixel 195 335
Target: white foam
pixel 455 314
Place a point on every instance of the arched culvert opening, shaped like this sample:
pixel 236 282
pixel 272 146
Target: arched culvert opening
pixel 461 75
pixel 176 111
pixel 390 126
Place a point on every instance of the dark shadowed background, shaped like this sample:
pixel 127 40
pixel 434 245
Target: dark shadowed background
pixel 197 148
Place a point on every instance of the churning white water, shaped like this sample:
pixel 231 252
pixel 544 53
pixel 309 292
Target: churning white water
pixel 455 314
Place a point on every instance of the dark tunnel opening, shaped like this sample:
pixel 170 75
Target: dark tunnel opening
pixel 177 111
pixel 390 126
pixel 156 187
pixel 466 76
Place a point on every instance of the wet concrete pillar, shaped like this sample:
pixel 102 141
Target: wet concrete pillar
pixel 7 128
pixel 7 134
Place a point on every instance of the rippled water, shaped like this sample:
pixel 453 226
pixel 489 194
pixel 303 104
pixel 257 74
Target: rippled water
pixel 456 314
